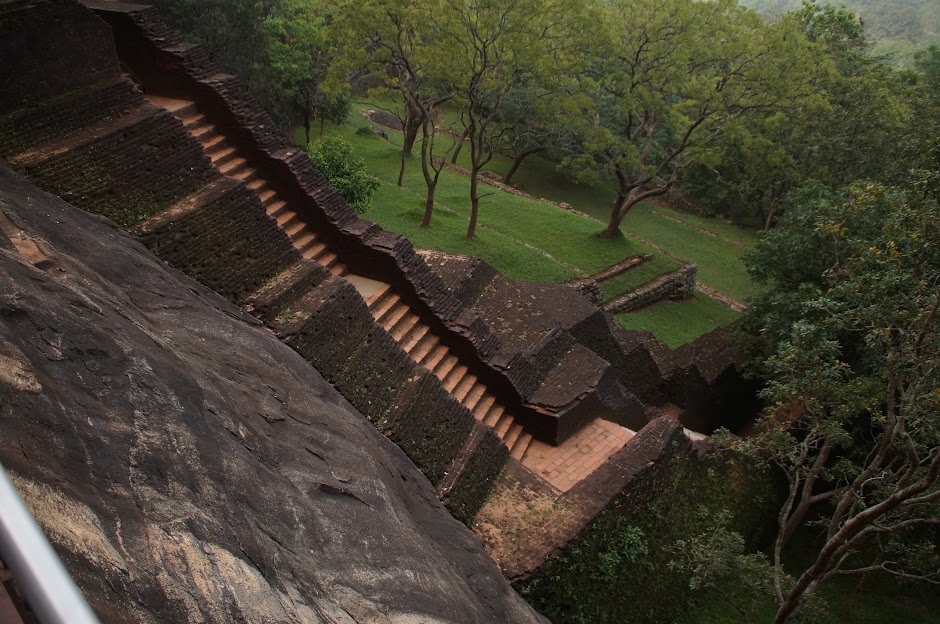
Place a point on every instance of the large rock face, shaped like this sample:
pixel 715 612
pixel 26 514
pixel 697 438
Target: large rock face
pixel 190 467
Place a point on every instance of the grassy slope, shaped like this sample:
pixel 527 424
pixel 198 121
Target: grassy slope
pixel 534 241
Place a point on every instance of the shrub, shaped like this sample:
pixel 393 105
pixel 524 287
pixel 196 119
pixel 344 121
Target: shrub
pixel 332 156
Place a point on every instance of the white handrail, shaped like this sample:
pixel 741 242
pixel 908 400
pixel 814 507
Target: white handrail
pixel 49 591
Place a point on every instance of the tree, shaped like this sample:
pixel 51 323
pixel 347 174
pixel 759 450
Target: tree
pixel 670 78
pixel 347 175
pixel 493 48
pixel 849 340
pixel 297 56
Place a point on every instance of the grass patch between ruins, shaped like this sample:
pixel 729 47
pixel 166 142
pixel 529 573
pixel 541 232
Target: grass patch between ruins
pixel 676 323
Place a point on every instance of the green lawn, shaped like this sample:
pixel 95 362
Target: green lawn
pixel 531 240
pixel 676 323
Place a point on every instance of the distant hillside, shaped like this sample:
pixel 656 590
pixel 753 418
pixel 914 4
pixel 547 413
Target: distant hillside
pixel 897 27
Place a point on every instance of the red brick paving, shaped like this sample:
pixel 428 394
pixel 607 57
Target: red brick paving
pixel 580 455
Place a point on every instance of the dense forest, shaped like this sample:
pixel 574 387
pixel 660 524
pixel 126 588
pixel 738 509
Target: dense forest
pixel 789 120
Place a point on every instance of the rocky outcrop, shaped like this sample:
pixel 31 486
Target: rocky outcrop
pixel 188 466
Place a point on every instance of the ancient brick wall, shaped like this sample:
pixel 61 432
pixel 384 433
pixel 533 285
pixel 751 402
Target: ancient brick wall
pixel 675 286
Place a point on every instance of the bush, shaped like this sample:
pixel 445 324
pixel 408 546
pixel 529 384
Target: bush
pixel 332 156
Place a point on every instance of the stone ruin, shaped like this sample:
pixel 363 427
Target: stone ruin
pixel 493 387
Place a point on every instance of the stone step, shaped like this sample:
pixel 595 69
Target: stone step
pixel 423 348
pixel 275 208
pixel 445 366
pixel 405 325
pixel 223 155
pixel 246 174
pixel 492 417
pixel 379 295
pixel 286 219
pixel 462 389
pixel 392 318
pixel 474 396
pixel 201 129
pixel 233 166
pixel 193 120
pixel 434 358
pixel 420 333
pixel 512 435
pixel 483 406
pixel 503 425
pixel 258 185
pixel 518 450
pixel 214 143
pixel 339 270
pixel 296 229
pixel 268 197
pixel 304 242
pixel 456 375
pixel 311 250
pixel 380 311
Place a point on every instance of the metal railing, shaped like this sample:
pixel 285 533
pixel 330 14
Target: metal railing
pixel 49 591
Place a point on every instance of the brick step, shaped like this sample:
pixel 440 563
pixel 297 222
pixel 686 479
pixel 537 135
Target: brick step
pixel 483 407
pixel 339 270
pixel 193 120
pixel 453 379
pixel 275 207
pixel 493 415
pixel 286 219
pixel 503 425
pixel 403 326
pixel 518 450
pixel 268 197
pixel 462 389
pixel 385 290
pixel 423 347
pixel 421 332
pixel 258 185
pixel 295 229
pixel 394 315
pixel 474 396
pixel 223 155
pixel 246 174
pixel 445 365
pixel 310 248
pixel 213 143
pixel 201 130
pixel 434 357
pixel 512 434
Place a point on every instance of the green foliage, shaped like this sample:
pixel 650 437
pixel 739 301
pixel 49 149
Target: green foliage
pixel 849 343
pixel 625 566
pixel 333 158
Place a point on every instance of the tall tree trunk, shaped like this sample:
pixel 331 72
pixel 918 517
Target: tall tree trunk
pixel 463 137
pixel 617 214
pixel 322 124
pixel 774 205
pixel 507 179
pixel 401 169
pixel 307 128
pixel 414 120
pixel 429 206
pixel 474 204
pixel 430 178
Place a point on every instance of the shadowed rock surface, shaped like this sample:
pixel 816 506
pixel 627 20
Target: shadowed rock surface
pixel 190 467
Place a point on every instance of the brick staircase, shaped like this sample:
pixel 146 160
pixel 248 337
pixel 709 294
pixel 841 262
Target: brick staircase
pixel 416 338
pixel 426 349
pixel 229 163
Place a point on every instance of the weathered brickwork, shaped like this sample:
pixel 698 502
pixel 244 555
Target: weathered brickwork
pixel 225 241
pixel 676 286
pixel 113 168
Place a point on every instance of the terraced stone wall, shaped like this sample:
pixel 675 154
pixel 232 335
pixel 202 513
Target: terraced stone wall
pixel 225 241
pixel 325 320
pixel 170 67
